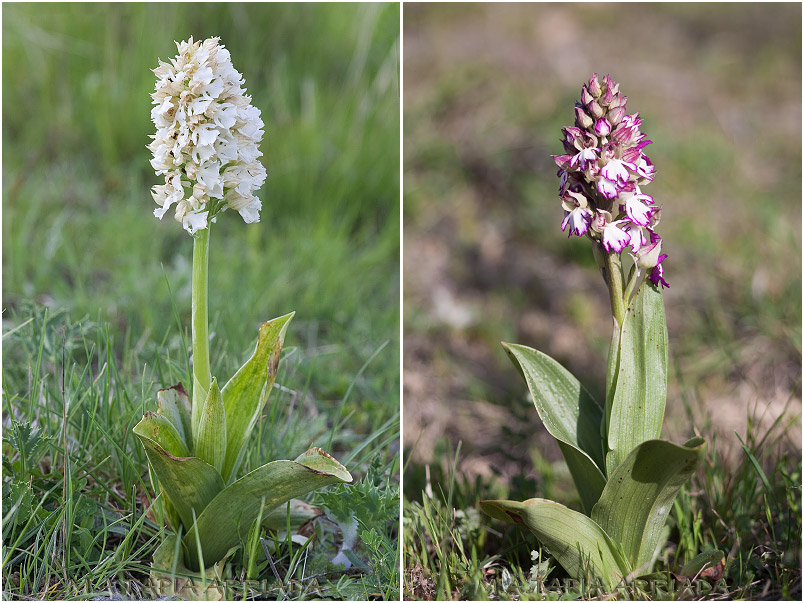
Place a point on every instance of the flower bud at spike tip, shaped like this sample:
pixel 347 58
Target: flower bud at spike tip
pixel 606 99
pixel 618 101
pixel 582 119
pixel 605 163
pixel 616 115
pixel 594 86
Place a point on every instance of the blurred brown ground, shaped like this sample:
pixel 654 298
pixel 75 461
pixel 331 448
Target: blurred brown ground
pixel 486 91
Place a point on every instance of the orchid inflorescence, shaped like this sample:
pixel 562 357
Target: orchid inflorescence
pixel 627 476
pixel 601 177
pixel 206 139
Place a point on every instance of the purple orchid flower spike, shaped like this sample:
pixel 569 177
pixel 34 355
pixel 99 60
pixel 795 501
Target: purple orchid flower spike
pixel 605 164
pixel 622 468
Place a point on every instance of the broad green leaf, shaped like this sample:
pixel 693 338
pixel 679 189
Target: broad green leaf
pixel 163 432
pixel 637 408
pixel 188 482
pixel 211 444
pixel 318 460
pixel 171 516
pixel 299 513
pixel 578 543
pixel 227 519
pixel 174 404
pixel 569 413
pixel 246 392
pixel 640 493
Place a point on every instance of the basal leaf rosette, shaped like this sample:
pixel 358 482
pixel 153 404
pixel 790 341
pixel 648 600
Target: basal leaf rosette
pixel 197 476
pixel 207 137
pixel 621 537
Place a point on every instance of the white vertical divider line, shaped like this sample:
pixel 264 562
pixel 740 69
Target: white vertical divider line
pixel 401 303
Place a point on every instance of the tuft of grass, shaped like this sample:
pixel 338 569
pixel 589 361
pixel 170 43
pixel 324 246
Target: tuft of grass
pixel 76 507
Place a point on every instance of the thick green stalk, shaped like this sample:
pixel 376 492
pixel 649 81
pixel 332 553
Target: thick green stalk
pixel 200 334
pixel 615 282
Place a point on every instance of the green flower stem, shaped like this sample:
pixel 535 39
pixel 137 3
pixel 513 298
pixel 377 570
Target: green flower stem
pixel 200 334
pixel 614 271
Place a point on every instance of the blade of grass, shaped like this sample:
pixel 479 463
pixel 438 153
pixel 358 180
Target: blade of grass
pixel 337 424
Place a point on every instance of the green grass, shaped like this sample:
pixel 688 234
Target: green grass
pixel 96 291
pixel 748 508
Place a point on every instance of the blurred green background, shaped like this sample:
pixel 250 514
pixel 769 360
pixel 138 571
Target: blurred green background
pixel 78 229
pixel 487 89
